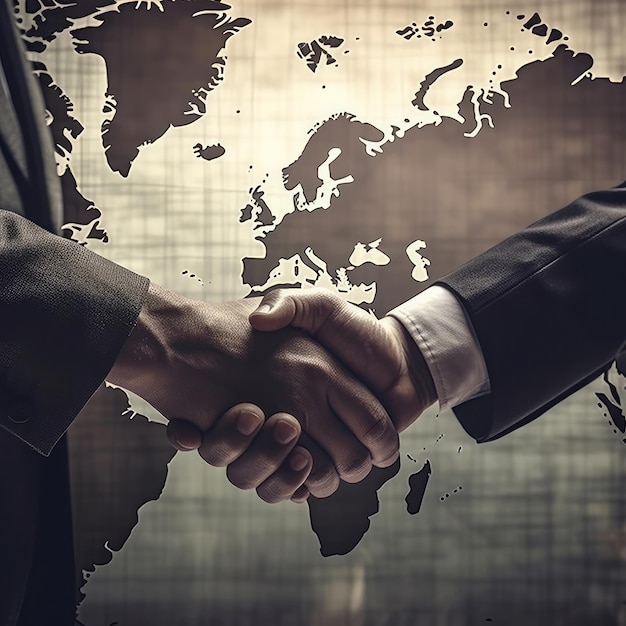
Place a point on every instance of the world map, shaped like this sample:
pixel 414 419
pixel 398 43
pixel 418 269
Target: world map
pixel 376 213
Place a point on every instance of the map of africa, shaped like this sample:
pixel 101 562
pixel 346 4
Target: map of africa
pixel 375 207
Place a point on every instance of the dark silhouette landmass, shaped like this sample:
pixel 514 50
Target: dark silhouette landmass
pixel 430 80
pixel 343 131
pixel 246 213
pixel 48 18
pixel 417 488
pixel 438 185
pixel 208 153
pixel 429 29
pixel 60 109
pixel 81 218
pixel 161 66
pixel 312 52
pixel 341 520
pixel 110 479
pixel 615 411
pixel 613 404
pixel 78 211
pixel 264 216
pixel 536 26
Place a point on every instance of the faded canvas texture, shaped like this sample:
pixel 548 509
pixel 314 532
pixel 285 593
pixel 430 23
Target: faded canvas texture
pixel 368 148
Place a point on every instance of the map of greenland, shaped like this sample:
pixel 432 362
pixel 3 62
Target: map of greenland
pixel 162 62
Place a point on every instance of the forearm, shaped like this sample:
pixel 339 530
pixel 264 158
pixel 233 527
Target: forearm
pixel 548 307
pixel 142 359
pixel 150 358
pixel 417 366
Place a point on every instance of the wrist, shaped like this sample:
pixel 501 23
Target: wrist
pixel 141 364
pixel 416 366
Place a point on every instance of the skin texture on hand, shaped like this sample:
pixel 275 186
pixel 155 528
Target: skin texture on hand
pixel 381 353
pixel 273 464
pixel 193 361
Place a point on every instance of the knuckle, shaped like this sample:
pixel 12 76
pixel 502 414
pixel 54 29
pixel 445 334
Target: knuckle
pixel 300 495
pixel 377 427
pixel 387 461
pixel 379 431
pixel 356 468
pixel 325 296
pixel 240 479
pixel 271 493
pixel 323 481
pixel 215 455
pixel 314 307
pixel 324 490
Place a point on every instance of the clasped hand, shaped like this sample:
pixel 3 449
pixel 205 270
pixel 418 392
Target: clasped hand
pixel 336 384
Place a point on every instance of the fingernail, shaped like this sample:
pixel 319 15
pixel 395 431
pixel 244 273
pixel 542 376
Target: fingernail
pixel 300 496
pixel 389 461
pixel 248 422
pixel 183 447
pixel 183 436
pixel 263 309
pixel 298 460
pixel 284 432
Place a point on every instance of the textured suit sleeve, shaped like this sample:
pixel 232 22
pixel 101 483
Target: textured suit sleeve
pixel 548 306
pixel 65 313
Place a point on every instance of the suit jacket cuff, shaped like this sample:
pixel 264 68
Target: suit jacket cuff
pixel 66 313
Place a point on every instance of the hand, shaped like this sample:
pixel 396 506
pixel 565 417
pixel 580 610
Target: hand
pixel 193 360
pixel 258 454
pixel 380 353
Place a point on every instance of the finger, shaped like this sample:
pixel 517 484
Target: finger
pixel 275 311
pixel 184 435
pixel 266 453
pixel 353 336
pixel 367 421
pixel 301 495
pixel 290 476
pixel 351 459
pixel 351 426
pixel 323 479
pixel 231 435
pixel 375 351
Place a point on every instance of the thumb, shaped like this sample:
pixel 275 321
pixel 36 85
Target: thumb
pixel 286 307
pixel 352 335
pixel 183 435
pixel 306 309
pixel 362 343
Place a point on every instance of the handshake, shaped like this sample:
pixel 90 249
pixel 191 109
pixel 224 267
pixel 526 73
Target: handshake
pixel 336 384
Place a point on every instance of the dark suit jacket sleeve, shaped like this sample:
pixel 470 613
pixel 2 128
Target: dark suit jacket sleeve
pixel 65 313
pixel 548 306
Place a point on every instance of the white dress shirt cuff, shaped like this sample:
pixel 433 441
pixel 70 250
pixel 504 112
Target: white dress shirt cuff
pixel 444 334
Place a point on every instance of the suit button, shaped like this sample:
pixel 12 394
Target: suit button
pixel 17 417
